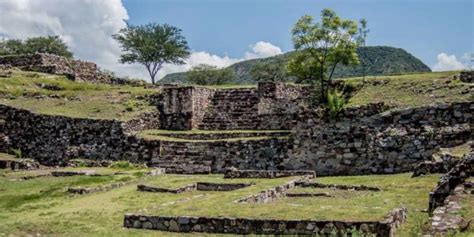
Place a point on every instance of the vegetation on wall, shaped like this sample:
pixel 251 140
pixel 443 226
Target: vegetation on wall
pixel 48 44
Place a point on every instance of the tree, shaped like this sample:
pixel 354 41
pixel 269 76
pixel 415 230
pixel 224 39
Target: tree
pixel 152 45
pixel 47 44
pixel 269 71
pixel 320 47
pixel 362 35
pixel 204 74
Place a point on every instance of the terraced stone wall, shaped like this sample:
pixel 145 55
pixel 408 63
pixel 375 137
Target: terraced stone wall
pixel 217 156
pixel 74 69
pixel 362 141
pixel 53 140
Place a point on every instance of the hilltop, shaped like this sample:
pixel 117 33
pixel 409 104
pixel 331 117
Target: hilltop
pixel 379 60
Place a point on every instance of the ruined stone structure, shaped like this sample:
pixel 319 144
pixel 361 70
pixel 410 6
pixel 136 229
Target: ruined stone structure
pixel 467 76
pixel 269 106
pixel 389 142
pixel 363 140
pixel 48 63
pixel 245 226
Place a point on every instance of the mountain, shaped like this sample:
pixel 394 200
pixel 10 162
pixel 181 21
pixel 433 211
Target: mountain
pixel 378 60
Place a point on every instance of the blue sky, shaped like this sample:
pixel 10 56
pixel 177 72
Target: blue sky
pixel 223 32
pixel 425 28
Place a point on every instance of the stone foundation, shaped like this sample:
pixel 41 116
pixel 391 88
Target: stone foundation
pixel 266 174
pixel 338 186
pixel 450 181
pixel 155 189
pixel 246 226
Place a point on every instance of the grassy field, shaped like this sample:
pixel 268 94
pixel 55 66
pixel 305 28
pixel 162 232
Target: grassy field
pixel 33 91
pixel 4 156
pixel 75 99
pixel 42 206
pixel 411 90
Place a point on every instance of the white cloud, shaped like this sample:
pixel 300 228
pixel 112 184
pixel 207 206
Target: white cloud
pixel 447 63
pixel 262 50
pixel 87 25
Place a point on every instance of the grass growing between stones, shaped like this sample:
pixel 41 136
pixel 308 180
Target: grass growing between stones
pixel 42 206
pixel 410 90
pixel 28 90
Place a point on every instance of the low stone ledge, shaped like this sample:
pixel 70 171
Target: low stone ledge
pixel 338 186
pixel 447 217
pixel 155 189
pixel 450 181
pixel 19 164
pixel 204 186
pixel 186 169
pixel 63 173
pixel 199 186
pixel 298 195
pixel 267 174
pixel 103 188
pixel 269 195
pixel 244 226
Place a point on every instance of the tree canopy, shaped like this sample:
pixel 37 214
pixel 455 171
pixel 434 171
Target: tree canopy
pixel 152 45
pixel 205 74
pixel 320 47
pixel 269 71
pixel 42 44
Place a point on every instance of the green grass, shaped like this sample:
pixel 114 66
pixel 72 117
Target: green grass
pixel 410 90
pixel 42 206
pixel 74 99
pixel 4 156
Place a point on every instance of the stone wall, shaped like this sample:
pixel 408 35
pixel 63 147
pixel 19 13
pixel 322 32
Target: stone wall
pixel 183 108
pixel 448 182
pixel 467 76
pixel 269 106
pixel 217 156
pixel 48 63
pixel 245 226
pixel 363 141
pixel 53 140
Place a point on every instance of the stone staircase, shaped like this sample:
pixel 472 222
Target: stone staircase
pixel 232 109
pixel 183 158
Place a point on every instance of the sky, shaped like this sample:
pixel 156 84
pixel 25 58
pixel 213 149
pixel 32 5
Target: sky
pixel 222 32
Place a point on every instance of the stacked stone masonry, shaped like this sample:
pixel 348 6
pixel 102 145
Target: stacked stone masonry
pixel 448 182
pixel 269 106
pixel 246 226
pixel 48 63
pixel 388 142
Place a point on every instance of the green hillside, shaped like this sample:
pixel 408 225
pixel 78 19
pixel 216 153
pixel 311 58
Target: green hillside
pixel 379 60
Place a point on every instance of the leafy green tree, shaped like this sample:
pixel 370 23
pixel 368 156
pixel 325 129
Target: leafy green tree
pixel 152 45
pixel 42 44
pixel 320 47
pixel 210 75
pixel 269 71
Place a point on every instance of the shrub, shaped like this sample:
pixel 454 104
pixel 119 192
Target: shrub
pixel 336 102
pixel 17 153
